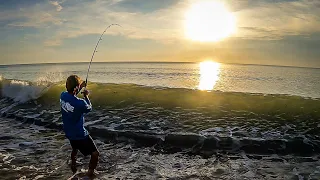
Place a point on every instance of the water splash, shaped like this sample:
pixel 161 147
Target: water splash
pixel 49 77
pixel 22 91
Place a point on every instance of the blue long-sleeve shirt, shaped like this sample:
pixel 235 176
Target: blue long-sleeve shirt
pixel 73 110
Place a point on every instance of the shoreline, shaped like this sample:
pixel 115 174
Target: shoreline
pixel 28 151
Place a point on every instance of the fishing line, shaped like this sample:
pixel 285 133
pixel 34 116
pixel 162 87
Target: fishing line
pixel 95 49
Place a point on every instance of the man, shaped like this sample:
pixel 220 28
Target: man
pixel 73 110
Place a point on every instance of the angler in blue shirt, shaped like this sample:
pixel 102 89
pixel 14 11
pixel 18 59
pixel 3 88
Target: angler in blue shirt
pixel 73 110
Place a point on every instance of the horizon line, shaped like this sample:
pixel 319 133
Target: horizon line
pixel 80 62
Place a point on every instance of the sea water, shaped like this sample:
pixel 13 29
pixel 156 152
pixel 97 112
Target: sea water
pixel 262 109
pixel 246 121
pixel 224 77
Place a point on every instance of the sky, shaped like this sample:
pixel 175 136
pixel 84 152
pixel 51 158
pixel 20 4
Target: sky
pixel 272 32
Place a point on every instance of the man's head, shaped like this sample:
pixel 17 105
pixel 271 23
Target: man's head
pixel 73 84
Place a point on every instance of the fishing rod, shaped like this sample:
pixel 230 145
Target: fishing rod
pixel 95 49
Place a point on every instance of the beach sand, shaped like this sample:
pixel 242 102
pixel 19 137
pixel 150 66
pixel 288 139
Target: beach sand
pixel 33 152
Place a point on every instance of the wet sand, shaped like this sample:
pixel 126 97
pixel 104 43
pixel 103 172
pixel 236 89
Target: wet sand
pixel 33 152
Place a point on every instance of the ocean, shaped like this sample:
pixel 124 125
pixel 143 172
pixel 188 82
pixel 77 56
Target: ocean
pixel 197 109
pixel 210 76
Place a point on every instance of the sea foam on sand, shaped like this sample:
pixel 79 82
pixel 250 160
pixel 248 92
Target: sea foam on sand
pixel 33 152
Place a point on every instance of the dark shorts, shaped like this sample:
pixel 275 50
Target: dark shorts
pixel 85 146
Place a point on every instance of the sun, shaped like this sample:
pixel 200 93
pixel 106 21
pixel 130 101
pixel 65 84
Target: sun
pixel 209 21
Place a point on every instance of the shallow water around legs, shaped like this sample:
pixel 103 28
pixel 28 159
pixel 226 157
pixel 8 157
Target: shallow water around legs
pixel 34 152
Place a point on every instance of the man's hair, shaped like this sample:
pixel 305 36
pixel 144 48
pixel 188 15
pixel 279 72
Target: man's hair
pixel 72 82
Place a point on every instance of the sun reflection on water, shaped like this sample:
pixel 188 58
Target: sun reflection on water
pixel 209 75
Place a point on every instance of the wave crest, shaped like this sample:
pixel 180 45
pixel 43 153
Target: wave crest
pixel 22 91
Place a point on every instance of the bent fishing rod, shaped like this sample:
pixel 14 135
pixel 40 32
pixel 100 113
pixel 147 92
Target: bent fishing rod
pixel 95 50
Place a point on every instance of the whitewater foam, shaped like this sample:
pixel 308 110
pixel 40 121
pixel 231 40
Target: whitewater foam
pixel 22 91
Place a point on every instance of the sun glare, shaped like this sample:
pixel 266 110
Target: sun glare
pixel 209 21
pixel 209 75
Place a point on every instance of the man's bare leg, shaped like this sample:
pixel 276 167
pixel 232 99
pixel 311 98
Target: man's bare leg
pixel 93 163
pixel 74 160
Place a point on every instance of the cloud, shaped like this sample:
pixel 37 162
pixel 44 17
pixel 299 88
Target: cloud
pixel 158 25
pixel 277 20
pixel 53 42
pixel 263 20
pixel 39 16
pixel 163 21
pixel 145 6
pixel 57 5
pixel 38 20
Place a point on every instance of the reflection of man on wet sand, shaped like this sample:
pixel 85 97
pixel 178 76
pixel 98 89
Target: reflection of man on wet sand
pixel 73 110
